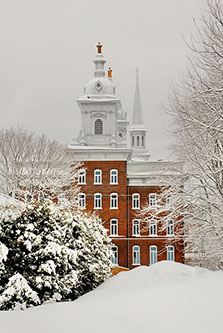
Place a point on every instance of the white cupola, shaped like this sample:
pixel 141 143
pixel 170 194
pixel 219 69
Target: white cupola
pixel 103 122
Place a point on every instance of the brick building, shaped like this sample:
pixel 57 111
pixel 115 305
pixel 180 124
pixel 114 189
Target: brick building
pixel 117 180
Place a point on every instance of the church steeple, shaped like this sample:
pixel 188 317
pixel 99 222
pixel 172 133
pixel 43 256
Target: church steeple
pixel 137 129
pixel 99 62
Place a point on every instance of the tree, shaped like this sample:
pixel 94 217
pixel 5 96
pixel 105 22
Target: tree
pixel 53 254
pixel 32 165
pixel 196 105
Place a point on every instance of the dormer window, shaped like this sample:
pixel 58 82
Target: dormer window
pixel 98 126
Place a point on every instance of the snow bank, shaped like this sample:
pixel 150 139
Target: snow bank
pixel 167 297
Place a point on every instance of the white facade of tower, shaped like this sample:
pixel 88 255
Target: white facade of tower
pixel 103 121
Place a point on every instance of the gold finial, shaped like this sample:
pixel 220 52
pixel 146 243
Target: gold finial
pixel 137 73
pixel 99 46
pixel 109 72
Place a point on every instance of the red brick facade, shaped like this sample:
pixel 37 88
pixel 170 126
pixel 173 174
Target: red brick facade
pixel 125 214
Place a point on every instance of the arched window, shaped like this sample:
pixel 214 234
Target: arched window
pixel 81 200
pixel 135 228
pixel 114 176
pixel 133 139
pixel 114 227
pixel 97 176
pixel 136 201
pixel 113 201
pixel 97 201
pixel 98 126
pixel 137 138
pixel 170 253
pixel 136 255
pixel 143 143
pixel 170 228
pixel 82 177
pixel 153 254
pixel 115 255
pixel 153 228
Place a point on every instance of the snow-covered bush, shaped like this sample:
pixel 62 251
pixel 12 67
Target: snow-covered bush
pixel 59 254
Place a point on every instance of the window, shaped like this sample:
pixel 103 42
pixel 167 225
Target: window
pixel 136 201
pixel 153 254
pixel 152 199
pixel 82 177
pixel 137 138
pixel 97 177
pixel 28 197
pixel 143 141
pixel 133 141
pixel 136 255
pixel 168 199
pixel 115 255
pixel 81 201
pixel 114 227
pixel 61 200
pixel 114 176
pixel 153 228
pixel 98 126
pixel 136 228
pixel 113 201
pixel 97 201
pixel 170 228
pixel 170 253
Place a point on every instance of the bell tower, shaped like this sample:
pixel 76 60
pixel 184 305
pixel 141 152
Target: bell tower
pixel 103 121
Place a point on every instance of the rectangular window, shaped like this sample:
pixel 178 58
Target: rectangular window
pixel 136 228
pixel 152 199
pixel 115 255
pixel 113 201
pixel 136 255
pixel 82 177
pixel 170 253
pixel 114 227
pixel 135 201
pixel 97 177
pixel 153 254
pixel 81 200
pixel 170 228
pixel 153 228
pixel 97 201
pixel 114 176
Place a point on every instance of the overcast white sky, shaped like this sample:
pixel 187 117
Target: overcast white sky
pixel 47 48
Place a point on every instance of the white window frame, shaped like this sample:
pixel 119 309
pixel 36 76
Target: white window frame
pixel 152 254
pixel 168 200
pixel 113 201
pixel 152 199
pixel 114 177
pixel 135 227
pixel 170 228
pixel 82 177
pixel 115 254
pixel 153 228
pixel 136 255
pixel 170 253
pixel 136 201
pixel 113 227
pixel 98 201
pixel 81 200
pixel 97 177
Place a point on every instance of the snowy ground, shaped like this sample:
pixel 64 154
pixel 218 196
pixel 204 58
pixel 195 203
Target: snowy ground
pixel 166 297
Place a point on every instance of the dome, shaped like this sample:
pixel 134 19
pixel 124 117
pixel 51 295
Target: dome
pixel 100 86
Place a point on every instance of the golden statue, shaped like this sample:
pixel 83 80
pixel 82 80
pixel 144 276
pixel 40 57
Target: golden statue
pixel 99 46
pixel 110 72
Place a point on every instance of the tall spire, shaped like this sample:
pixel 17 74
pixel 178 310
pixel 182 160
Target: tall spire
pixel 99 62
pixel 137 118
pixel 137 129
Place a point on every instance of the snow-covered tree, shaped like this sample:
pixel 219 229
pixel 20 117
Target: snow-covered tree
pixel 32 165
pixel 59 253
pixel 196 106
